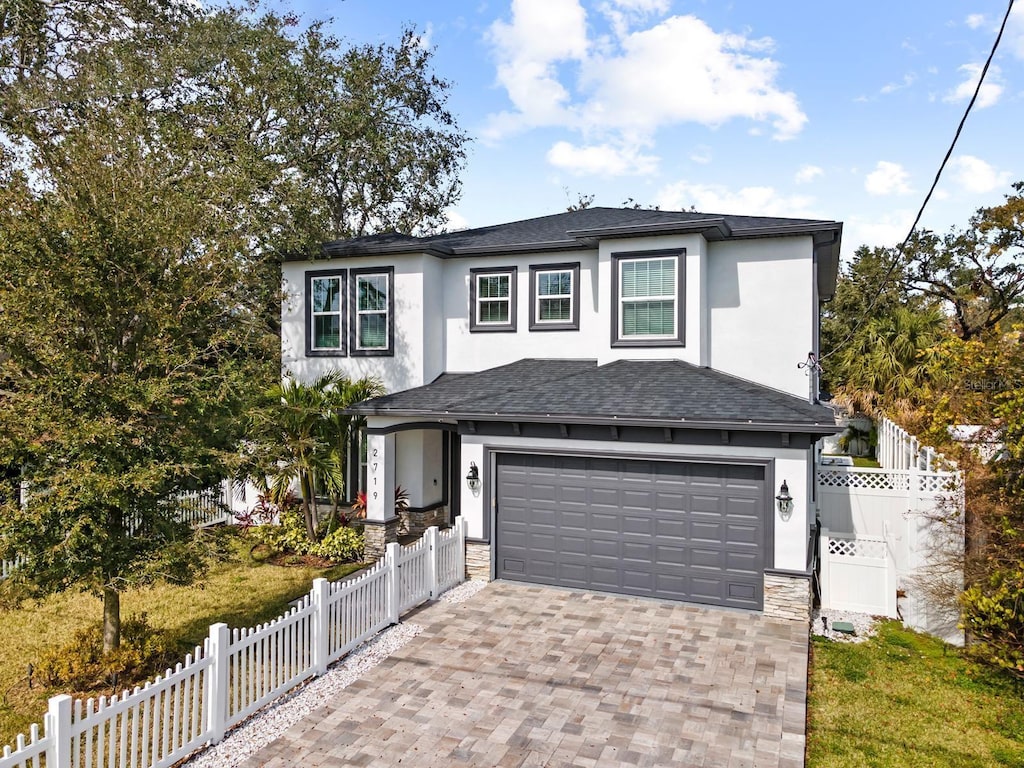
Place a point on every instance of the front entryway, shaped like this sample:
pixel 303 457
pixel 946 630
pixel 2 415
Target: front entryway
pixel 688 531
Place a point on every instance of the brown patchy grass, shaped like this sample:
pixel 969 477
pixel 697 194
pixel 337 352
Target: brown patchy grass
pixel 242 591
pixel 905 699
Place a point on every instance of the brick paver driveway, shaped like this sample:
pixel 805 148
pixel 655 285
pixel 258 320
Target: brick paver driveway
pixel 536 676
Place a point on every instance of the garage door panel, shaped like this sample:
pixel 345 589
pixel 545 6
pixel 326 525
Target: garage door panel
pixel 741 534
pixel 684 531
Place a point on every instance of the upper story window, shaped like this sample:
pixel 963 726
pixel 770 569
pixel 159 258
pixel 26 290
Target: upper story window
pixel 555 297
pixel 325 312
pixel 492 298
pixel 647 305
pixel 373 309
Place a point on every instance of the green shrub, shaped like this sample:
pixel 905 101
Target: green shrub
pixel 82 665
pixel 289 537
pixel 993 612
pixel 342 545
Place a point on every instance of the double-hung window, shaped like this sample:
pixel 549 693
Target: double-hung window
pixel 648 302
pixel 554 297
pixel 492 299
pixel 372 309
pixel 325 328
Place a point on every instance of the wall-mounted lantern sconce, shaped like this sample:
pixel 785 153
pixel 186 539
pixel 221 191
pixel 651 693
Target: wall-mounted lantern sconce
pixel 784 502
pixel 473 477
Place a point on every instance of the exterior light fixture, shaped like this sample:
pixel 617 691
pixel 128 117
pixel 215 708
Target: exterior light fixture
pixel 784 502
pixel 473 477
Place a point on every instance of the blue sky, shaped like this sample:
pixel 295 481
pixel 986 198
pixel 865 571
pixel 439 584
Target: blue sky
pixel 827 110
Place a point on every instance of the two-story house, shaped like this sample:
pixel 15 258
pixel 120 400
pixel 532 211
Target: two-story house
pixel 610 398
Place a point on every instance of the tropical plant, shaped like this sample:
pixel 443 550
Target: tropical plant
pixel 307 434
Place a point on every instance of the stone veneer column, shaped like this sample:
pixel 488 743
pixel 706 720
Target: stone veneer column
pixel 478 560
pixel 787 597
pixel 376 537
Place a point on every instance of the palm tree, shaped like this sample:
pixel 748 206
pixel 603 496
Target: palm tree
pixel 310 435
pixel 886 364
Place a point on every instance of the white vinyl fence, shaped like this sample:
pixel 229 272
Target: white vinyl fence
pixel 858 573
pixel 238 671
pixel 887 529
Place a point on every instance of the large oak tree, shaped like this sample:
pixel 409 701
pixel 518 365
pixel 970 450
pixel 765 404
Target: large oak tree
pixel 157 161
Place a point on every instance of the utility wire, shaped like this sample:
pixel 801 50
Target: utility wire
pixel 898 257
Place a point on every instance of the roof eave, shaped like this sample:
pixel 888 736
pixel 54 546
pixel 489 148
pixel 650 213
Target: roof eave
pixel 712 229
pixel 749 425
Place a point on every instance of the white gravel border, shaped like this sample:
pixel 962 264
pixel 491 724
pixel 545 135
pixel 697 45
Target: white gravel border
pixel 863 625
pixel 276 718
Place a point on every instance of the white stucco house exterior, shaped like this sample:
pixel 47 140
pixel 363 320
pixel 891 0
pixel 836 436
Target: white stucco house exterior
pixel 609 397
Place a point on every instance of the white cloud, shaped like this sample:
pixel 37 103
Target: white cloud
pixel 807 174
pixel 542 33
pixel 885 230
pixel 1015 31
pixel 621 90
pixel 723 81
pixel 990 91
pixel 975 20
pixel 601 160
pixel 701 155
pixel 623 14
pixel 748 201
pixel 456 220
pixel 908 80
pixel 975 175
pixel 887 179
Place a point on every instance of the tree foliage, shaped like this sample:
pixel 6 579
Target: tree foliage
pixel 158 159
pixel 976 272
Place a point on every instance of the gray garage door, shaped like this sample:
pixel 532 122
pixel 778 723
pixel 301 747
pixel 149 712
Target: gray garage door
pixel 683 531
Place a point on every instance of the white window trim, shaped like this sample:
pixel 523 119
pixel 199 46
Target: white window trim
pixel 339 313
pixel 676 338
pixel 537 299
pixel 481 301
pixel 363 312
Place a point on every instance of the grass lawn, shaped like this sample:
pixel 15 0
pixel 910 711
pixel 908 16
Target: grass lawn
pixel 864 461
pixel 904 699
pixel 241 591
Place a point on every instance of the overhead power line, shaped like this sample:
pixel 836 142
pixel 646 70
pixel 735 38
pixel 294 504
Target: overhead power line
pixel 898 256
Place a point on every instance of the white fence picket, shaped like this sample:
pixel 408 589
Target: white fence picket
pixel 236 672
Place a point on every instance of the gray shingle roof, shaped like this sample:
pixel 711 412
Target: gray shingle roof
pixel 659 392
pixel 576 229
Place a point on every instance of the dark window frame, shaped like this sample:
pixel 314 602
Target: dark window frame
pixel 573 323
pixel 342 276
pixel 477 327
pixel 353 312
pixel 679 338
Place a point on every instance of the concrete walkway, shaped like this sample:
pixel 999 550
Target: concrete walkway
pixel 535 676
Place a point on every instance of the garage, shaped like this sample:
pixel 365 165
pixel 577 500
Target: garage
pixel 690 531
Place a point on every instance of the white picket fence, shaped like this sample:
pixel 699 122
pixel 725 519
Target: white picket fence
pixel 898 449
pixel 237 672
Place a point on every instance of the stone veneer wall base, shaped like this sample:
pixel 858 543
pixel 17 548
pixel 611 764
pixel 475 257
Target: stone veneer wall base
pixel 376 537
pixel 416 522
pixel 478 560
pixel 787 597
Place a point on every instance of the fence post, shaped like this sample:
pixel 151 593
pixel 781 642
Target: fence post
pixel 321 624
pixel 462 549
pixel 890 574
pixel 392 580
pixel 58 729
pixel 432 557
pixel 217 682
pixel 824 560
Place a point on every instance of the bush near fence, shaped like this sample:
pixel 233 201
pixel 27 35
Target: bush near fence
pixel 237 672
